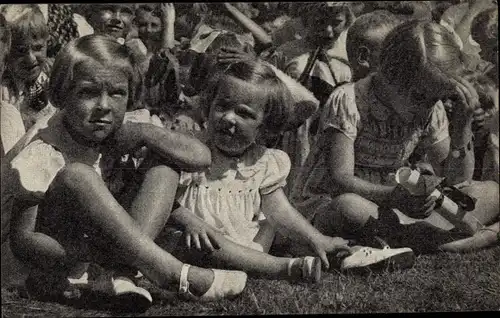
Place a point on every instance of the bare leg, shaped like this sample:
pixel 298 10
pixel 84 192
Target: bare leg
pixel 237 257
pixel 79 203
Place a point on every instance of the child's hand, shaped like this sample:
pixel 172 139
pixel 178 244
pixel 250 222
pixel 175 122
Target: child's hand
pixel 200 234
pixel 418 207
pixel 424 168
pixel 167 12
pixel 231 55
pixel 480 116
pixel 465 101
pixel 326 245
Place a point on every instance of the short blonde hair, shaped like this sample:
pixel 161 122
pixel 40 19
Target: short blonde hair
pixel 96 48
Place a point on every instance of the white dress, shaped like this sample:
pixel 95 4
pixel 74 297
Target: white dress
pixel 228 194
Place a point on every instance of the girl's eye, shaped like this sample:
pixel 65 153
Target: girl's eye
pixel 88 91
pixel 37 47
pixel 245 114
pixel 118 93
pixel 221 106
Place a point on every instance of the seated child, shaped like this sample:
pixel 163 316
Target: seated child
pixel 370 128
pixel 364 41
pixel 231 211
pixel 65 213
pixel 27 69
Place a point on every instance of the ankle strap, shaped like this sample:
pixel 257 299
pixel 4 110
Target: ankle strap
pixel 183 281
pixel 290 265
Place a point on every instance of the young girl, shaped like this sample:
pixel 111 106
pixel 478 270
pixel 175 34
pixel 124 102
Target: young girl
pixel 27 70
pixel 65 214
pixel 370 128
pixel 232 209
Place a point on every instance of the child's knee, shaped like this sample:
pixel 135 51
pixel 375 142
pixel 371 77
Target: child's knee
pixel 346 202
pixel 73 173
pixel 165 173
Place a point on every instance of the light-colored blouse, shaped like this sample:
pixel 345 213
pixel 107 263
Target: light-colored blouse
pixel 228 195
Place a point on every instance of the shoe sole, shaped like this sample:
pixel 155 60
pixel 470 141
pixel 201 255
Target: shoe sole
pixel 397 262
pixel 132 302
pixel 317 270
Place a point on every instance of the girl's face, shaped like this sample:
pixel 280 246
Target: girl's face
pixel 236 115
pixel 327 28
pixel 97 101
pixel 149 27
pixel 27 57
pixel 113 19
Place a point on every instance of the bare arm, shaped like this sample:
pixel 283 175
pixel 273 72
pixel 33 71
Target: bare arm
pixel 176 149
pixel 259 33
pixel 168 22
pixel 457 151
pixel 341 164
pixel 279 210
pixel 30 246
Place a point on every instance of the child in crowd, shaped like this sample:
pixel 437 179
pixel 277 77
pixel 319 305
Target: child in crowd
pixel 307 60
pixel 364 41
pixel 232 210
pixel 485 32
pixel 12 127
pixel 65 213
pixel 371 127
pixel 25 79
pixel 113 19
pixel 459 18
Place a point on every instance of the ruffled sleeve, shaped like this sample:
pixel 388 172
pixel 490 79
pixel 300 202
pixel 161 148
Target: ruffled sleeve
pixel 436 129
pixel 35 167
pixel 277 170
pixel 340 112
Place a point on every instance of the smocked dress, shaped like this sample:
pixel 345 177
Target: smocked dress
pixel 228 194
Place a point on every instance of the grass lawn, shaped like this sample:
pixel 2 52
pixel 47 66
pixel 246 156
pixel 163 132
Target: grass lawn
pixel 443 282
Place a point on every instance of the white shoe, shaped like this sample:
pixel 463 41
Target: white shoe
pixel 226 284
pixel 367 256
pixel 129 294
pixel 79 281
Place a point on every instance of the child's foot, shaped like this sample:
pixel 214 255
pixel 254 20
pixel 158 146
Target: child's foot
pixel 43 286
pixel 128 294
pixel 225 284
pixel 374 258
pixel 306 269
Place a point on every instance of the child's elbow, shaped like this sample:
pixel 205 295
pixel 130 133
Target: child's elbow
pixel 200 157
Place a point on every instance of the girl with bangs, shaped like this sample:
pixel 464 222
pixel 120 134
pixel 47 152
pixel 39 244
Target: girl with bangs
pixel 370 128
pixel 67 209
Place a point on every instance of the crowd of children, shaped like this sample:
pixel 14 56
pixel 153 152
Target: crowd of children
pixel 196 144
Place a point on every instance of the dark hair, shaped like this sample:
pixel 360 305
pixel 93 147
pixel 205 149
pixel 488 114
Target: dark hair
pixel 278 108
pixel 417 47
pixel 378 23
pixel 97 48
